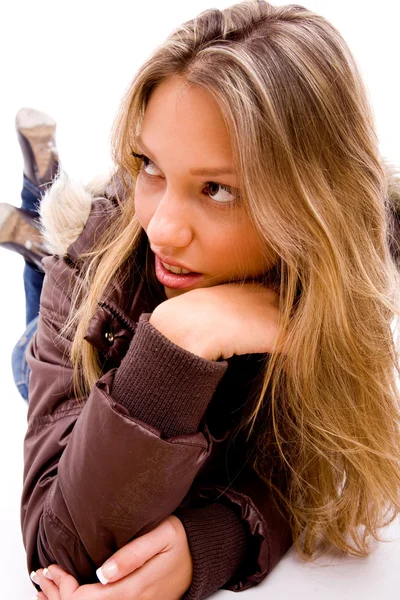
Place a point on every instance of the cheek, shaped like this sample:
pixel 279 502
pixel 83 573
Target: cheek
pixel 143 208
pixel 227 250
pixel 247 251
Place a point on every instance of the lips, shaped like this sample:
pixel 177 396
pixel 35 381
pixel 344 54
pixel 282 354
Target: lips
pixel 175 280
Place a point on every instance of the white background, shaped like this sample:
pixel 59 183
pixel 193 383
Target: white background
pixel 73 60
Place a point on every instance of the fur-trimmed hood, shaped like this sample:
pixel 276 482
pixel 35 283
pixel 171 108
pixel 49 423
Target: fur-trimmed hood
pixel 65 208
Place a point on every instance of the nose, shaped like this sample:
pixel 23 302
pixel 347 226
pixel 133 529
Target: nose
pixel 170 225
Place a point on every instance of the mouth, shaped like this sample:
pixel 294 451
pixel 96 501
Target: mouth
pixel 176 270
pixel 175 277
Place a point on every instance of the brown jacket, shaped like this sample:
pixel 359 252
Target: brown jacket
pixel 152 439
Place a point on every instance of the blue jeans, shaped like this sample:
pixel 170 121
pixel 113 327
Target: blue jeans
pixel 33 282
pixel 21 370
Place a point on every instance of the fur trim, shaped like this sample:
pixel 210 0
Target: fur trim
pixel 99 184
pixel 393 180
pixel 64 210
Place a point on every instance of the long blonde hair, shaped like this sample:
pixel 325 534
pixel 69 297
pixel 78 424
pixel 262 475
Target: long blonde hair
pixel 317 191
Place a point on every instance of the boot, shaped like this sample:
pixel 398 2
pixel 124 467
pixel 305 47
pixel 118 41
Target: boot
pixel 36 136
pixel 19 228
pixel 19 231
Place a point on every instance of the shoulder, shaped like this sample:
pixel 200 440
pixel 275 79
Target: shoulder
pixel 72 214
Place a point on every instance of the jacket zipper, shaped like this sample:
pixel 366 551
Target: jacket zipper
pixel 119 314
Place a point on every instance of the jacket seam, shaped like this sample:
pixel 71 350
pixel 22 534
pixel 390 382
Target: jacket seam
pixel 58 523
pixel 45 420
pixel 51 314
pixel 150 429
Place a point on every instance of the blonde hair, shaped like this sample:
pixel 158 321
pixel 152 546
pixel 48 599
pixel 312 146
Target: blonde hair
pixel 317 191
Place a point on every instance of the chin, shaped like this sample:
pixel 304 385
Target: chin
pixel 172 293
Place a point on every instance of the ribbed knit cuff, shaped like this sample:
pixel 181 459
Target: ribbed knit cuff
pixel 217 542
pixel 164 385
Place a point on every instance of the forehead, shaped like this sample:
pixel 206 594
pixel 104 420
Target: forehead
pixel 185 119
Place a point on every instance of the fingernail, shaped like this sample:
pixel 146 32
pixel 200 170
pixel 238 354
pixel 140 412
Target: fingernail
pixel 35 598
pixel 107 572
pixel 34 577
pixel 47 574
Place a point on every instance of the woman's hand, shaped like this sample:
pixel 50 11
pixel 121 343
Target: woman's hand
pixel 153 566
pixel 220 321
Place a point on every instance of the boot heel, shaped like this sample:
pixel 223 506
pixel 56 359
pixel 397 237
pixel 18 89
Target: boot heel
pixel 8 223
pixel 19 232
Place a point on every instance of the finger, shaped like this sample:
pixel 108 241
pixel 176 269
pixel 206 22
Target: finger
pixel 57 584
pixel 48 587
pixel 57 578
pixel 134 554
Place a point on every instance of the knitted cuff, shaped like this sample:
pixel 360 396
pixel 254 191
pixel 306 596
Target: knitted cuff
pixel 164 385
pixel 217 541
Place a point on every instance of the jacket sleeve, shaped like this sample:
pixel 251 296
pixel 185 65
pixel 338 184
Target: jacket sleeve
pixel 236 532
pixel 95 476
pixel 218 543
pixel 268 534
pixel 218 504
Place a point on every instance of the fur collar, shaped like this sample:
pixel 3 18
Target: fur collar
pixel 65 208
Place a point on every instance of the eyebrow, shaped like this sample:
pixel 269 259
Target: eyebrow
pixel 213 172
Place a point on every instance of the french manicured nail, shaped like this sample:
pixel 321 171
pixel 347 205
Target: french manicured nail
pixel 107 572
pixel 47 574
pixel 35 597
pixel 34 577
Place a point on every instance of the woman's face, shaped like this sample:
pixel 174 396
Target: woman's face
pixel 186 195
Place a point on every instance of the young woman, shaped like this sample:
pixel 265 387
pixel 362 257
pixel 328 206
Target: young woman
pixel 214 371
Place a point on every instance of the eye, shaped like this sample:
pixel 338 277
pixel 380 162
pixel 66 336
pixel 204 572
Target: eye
pixel 223 194
pixel 148 166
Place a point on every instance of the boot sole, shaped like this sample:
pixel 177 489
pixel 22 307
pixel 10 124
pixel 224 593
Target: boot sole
pixel 30 118
pixel 39 129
